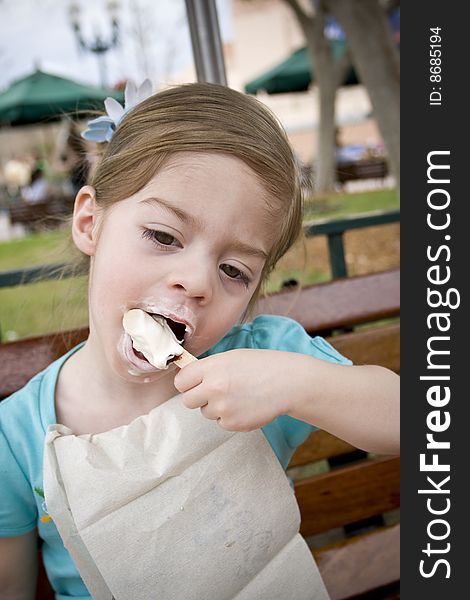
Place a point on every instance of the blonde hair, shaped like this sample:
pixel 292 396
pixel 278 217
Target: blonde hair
pixel 203 117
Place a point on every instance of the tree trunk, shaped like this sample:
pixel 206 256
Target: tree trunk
pixel 377 62
pixel 325 170
pixel 325 165
pixel 323 70
pixel 328 76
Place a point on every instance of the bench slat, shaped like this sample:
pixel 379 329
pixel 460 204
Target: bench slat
pixel 320 445
pixel 21 360
pixel 339 303
pixel 348 494
pixel 335 304
pixel 362 564
pixel 379 346
pixel 44 589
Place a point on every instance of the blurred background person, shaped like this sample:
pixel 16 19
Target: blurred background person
pixel 72 157
pixel 38 188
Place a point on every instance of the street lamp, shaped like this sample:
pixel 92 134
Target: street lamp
pixel 98 46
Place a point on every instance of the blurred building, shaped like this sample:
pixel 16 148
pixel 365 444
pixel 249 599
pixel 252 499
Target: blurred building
pixel 259 34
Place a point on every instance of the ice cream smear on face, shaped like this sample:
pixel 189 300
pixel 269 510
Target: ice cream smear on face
pixel 152 336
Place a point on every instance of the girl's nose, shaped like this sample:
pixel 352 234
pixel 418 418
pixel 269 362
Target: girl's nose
pixel 193 279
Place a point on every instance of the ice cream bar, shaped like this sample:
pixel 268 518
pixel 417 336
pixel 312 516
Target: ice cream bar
pixel 152 336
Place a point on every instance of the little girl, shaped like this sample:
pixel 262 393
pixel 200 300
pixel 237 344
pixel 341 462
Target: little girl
pixel 194 201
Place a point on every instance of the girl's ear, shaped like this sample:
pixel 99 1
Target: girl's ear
pixel 84 220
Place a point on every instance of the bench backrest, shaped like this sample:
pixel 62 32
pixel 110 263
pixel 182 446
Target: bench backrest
pixel 319 308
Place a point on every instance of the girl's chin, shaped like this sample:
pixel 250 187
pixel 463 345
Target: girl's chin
pixel 137 376
pixel 143 379
pixel 128 372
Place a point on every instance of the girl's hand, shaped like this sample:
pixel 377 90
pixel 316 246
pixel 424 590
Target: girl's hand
pixel 241 389
pixel 246 389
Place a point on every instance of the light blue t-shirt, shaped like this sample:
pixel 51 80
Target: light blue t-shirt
pixel 26 414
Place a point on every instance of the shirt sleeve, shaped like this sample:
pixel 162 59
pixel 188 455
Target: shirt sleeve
pixel 282 333
pixel 18 511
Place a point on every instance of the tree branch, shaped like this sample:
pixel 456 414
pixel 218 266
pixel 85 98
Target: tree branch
pixel 301 15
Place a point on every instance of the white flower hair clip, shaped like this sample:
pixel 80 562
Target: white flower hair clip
pixel 102 128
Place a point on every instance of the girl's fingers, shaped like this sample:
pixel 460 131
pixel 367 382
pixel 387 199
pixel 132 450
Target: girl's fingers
pixel 208 412
pixel 188 377
pixel 194 399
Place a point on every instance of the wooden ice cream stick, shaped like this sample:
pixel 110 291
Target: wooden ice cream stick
pixel 184 359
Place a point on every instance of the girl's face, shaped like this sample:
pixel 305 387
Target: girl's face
pixel 190 246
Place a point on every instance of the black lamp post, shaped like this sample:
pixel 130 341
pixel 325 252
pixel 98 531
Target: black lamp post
pixel 98 46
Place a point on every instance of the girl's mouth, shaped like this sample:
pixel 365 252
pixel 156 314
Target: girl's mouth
pixel 178 328
pixel 136 358
pixel 179 320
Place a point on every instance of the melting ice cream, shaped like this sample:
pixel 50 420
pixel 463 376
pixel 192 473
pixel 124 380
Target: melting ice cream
pixel 152 336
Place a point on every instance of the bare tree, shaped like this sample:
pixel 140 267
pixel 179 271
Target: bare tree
pixel 376 60
pixel 172 41
pixel 157 39
pixel 141 30
pixel 329 74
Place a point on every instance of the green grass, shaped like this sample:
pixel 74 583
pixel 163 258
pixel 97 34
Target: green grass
pixel 50 306
pixel 35 249
pixel 43 307
pixel 46 306
pixel 340 205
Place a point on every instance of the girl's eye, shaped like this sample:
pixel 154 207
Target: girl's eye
pixel 161 238
pixel 234 273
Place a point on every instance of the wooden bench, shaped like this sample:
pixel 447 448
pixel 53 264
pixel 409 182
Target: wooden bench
pixel 372 168
pixel 354 490
pixel 37 216
pixel 342 507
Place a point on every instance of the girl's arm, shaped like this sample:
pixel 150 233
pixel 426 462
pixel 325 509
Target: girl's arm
pixel 246 389
pixel 359 404
pixel 18 567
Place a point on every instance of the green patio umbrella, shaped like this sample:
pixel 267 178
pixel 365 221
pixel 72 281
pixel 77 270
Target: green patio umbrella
pixel 45 97
pixel 295 73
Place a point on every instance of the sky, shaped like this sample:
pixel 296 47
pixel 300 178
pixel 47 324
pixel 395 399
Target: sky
pixel 155 40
